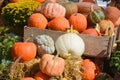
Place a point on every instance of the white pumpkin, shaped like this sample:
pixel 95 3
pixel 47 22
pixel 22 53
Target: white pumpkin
pixel 70 44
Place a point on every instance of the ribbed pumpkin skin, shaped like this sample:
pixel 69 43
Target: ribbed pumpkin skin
pixel 78 21
pixel 106 27
pixel 52 66
pixel 113 14
pixel 59 24
pixel 70 7
pixel 37 20
pixel 95 17
pixel 45 44
pixel 52 10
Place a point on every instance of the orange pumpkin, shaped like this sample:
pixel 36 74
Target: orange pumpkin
pixel 88 74
pixel 13 1
pixel 106 27
pixel 25 50
pixel 78 21
pixel 27 78
pixel 113 13
pixel 90 31
pixel 41 76
pixel 37 20
pixel 40 0
pixel 88 69
pixel 59 24
pixel 52 10
pixel 92 1
pixel 85 7
pixel 45 0
pixel 52 65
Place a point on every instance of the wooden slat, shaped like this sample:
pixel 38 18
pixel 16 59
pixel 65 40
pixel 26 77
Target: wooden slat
pixel 95 46
pixel 118 34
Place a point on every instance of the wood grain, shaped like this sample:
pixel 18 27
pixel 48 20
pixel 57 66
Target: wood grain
pixel 95 46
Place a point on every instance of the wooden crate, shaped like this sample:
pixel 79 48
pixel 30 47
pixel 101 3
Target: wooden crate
pixel 95 46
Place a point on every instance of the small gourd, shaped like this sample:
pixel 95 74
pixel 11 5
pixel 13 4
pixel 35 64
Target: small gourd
pixel 95 16
pixel 106 27
pixel 45 44
pixel 70 44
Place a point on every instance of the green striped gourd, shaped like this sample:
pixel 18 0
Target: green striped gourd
pixel 95 17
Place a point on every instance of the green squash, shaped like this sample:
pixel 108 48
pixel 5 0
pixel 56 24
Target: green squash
pixel 95 17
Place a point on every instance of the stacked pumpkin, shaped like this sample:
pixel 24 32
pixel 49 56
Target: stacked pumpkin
pixel 52 65
pixel 85 17
pixel 60 16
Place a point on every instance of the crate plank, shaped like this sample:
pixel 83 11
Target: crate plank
pixel 118 34
pixel 95 46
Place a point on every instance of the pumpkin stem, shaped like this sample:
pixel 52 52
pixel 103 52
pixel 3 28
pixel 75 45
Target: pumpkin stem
pixel 92 8
pixel 71 27
pixel 15 63
pixel 29 38
pixel 108 31
pixel 55 56
pixel 97 28
pixel 47 43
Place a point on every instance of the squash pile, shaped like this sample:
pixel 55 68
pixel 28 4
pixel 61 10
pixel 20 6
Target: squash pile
pixel 57 59
pixel 60 59
pixel 60 15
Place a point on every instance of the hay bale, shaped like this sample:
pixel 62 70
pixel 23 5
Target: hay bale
pixel 21 70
